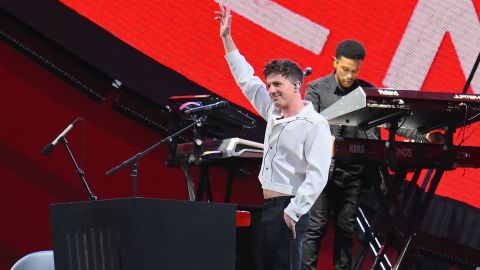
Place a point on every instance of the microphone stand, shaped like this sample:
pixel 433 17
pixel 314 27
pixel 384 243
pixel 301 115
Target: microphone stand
pixel 80 172
pixel 133 161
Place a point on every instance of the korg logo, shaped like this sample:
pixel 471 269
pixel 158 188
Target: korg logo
pixel 356 148
pixel 404 152
pixel 388 92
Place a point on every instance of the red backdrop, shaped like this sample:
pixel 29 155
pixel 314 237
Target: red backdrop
pixel 427 45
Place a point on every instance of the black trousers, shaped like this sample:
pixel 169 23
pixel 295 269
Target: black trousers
pixel 340 195
pixel 280 250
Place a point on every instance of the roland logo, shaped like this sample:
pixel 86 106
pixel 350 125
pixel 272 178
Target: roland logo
pixel 389 93
pixel 404 152
pixel 466 97
pixel 356 148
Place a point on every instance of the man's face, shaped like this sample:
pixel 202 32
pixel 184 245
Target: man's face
pixel 346 70
pixel 281 90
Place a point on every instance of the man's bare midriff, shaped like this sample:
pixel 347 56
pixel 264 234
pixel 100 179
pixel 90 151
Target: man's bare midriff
pixel 267 194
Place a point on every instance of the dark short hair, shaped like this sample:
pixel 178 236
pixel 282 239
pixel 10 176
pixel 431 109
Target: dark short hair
pixel 350 49
pixel 285 67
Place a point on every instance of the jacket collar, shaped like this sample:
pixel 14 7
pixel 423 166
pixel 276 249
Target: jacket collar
pixel 302 114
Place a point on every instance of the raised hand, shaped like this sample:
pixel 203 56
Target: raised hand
pixel 225 18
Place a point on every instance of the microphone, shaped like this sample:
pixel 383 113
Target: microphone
pixel 49 147
pixel 307 71
pixel 207 107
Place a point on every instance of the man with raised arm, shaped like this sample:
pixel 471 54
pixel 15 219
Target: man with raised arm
pixel 297 150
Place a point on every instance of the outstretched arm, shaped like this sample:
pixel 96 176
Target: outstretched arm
pixel 225 18
pixel 252 86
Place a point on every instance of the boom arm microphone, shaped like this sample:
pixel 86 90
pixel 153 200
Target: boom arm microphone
pixel 208 107
pixel 307 71
pixel 49 147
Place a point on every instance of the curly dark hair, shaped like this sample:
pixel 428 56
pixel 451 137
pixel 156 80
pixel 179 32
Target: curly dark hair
pixel 350 49
pixel 286 68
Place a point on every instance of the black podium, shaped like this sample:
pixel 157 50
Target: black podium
pixel 141 234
